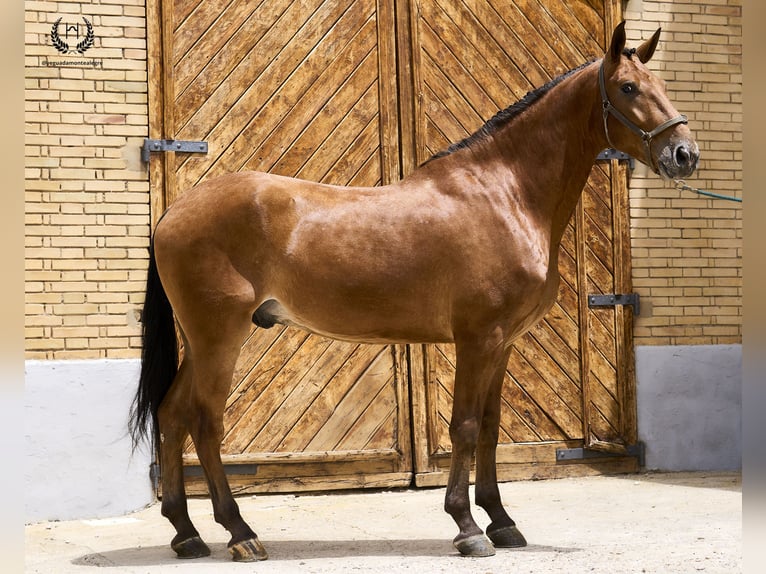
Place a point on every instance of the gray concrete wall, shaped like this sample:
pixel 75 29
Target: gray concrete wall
pixel 78 458
pixel 690 406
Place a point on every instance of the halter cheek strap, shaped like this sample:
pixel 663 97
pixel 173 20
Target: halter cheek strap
pixel 645 136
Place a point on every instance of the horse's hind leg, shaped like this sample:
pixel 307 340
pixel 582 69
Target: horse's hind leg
pixel 213 352
pixel 502 531
pixel 173 431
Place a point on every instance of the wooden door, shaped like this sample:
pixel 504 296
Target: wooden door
pixel 302 88
pixel 360 92
pixel 568 383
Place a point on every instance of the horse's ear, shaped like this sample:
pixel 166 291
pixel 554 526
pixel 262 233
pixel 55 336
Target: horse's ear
pixel 618 43
pixel 646 50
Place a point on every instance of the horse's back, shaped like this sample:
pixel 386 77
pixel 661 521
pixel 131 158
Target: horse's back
pixel 340 261
pixel 404 262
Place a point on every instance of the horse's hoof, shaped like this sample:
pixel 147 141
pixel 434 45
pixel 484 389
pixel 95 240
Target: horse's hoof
pixel 192 547
pixel 507 537
pixel 477 546
pixel 249 550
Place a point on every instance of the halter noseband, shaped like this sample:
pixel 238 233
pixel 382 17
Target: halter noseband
pixel 645 136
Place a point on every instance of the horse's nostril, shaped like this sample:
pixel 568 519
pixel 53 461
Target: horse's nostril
pixel 682 155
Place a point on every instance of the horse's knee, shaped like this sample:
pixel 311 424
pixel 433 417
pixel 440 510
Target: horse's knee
pixel 464 432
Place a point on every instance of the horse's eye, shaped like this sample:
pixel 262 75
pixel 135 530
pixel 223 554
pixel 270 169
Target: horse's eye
pixel 629 88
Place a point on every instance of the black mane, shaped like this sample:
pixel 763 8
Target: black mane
pixel 503 117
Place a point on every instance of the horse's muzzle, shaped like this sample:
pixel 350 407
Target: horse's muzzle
pixel 679 159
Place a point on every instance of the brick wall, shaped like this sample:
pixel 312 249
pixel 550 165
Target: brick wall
pixel 687 251
pixel 87 194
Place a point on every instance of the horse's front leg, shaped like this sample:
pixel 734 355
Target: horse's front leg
pixel 502 530
pixel 478 359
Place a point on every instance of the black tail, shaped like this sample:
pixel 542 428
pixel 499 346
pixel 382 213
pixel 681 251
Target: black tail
pixel 159 357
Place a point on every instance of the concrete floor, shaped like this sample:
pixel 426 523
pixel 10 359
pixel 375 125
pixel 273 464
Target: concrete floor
pixel 664 523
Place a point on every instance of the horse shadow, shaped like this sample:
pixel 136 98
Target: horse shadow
pixel 290 550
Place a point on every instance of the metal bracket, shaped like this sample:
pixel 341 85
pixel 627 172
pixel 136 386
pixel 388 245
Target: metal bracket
pixel 564 454
pixel 612 299
pixel 229 470
pixel 182 146
pixel 155 474
pixel 611 153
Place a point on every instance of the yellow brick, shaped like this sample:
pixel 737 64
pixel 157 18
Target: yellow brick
pixel 701 55
pixel 74 114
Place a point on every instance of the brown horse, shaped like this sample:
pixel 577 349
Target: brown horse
pixel 463 250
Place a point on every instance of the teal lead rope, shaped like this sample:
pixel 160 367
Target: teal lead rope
pixel 683 186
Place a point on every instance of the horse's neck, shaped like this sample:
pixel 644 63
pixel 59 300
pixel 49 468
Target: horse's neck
pixel 550 149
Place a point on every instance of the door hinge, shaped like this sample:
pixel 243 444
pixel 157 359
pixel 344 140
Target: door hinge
pixel 636 450
pixel 613 299
pixel 181 146
pixel 611 153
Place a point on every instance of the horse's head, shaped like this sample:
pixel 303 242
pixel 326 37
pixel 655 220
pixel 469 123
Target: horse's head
pixel 639 119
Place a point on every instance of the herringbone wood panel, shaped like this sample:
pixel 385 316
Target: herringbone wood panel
pixel 292 87
pixel 309 88
pixel 475 57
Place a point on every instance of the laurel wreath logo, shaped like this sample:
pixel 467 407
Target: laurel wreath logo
pixel 82 46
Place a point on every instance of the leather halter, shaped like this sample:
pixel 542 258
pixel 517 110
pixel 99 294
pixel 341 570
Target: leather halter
pixel 645 136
